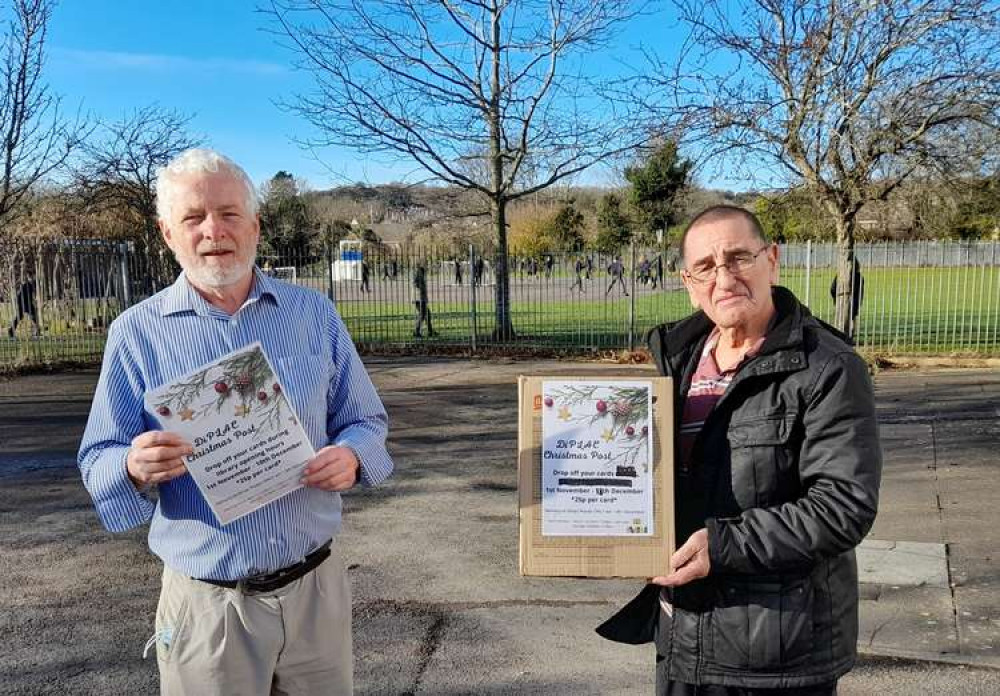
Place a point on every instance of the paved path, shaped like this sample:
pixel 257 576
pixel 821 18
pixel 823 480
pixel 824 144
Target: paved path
pixel 439 607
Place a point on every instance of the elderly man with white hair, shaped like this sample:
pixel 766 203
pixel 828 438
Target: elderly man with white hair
pixel 260 605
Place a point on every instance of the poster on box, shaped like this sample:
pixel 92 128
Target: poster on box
pixel 596 449
pixel 249 447
pixel 595 475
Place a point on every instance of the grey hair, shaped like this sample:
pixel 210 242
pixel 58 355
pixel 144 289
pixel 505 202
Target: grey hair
pixel 719 212
pixel 204 161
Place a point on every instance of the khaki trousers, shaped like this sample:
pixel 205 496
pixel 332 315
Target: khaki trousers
pixel 214 641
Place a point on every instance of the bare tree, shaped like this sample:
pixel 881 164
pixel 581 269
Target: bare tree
pixel 118 169
pixel 439 82
pixel 35 138
pixel 117 175
pixel 849 97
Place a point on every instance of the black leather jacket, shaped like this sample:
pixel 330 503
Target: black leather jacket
pixel 784 475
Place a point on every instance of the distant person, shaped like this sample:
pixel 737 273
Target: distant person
pixel 578 269
pixel 458 271
pixel 365 273
pixel 25 305
pixel 857 292
pixel 421 302
pixel 589 268
pixel 644 270
pixel 386 274
pixel 549 264
pixel 478 267
pixel 616 269
pixel 658 271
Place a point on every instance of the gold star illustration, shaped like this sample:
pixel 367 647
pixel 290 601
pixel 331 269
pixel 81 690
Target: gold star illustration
pixel 242 410
pixel 564 414
pixel 608 436
pixel 186 414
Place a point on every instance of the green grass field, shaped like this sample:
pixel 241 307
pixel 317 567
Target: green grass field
pixel 934 311
pixel 918 310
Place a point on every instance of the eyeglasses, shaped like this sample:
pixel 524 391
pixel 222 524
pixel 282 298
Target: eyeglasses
pixel 736 264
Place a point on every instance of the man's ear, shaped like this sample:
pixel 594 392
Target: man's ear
pixel 164 230
pixel 772 258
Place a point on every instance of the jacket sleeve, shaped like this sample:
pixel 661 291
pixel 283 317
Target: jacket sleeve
pixel 840 467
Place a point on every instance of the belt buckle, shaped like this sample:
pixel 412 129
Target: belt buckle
pixel 255 584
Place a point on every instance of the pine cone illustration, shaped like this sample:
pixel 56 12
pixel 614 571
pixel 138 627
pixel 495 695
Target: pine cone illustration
pixel 621 408
pixel 243 383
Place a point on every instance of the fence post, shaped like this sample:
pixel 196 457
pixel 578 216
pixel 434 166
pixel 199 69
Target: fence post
pixel 126 283
pixel 472 295
pixel 631 299
pixel 809 250
pixel 328 254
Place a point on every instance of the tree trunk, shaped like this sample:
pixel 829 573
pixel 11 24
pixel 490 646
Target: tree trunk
pixel 504 330
pixel 843 290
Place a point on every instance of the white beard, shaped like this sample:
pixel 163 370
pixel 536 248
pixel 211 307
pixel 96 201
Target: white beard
pixel 217 276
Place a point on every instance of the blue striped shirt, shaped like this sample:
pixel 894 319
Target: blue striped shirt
pixel 177 331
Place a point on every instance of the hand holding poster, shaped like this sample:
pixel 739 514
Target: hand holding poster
pixel 249 448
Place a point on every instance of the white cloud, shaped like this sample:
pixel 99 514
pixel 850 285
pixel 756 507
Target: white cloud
pixel 156 62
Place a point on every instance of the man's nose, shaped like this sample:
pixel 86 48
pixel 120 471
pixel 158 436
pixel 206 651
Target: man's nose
pixel 212 227
pixel 724 277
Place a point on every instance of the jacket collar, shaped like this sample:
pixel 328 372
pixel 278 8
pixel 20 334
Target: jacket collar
pixel 668 342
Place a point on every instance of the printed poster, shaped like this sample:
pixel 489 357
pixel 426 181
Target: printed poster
pixel 249 448
pixel 596 459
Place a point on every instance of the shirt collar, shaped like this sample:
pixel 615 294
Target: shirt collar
pixel 182 297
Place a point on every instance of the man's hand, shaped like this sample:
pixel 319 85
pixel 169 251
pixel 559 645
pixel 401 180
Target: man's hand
pixel 689 562
pixel 155 457
pixel 332 469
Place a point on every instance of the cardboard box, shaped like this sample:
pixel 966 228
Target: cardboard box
pixel 626 555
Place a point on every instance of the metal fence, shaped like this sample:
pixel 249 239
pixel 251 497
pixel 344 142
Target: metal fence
pixel 57 300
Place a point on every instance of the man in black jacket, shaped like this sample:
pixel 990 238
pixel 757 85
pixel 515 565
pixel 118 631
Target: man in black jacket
pixel 777 470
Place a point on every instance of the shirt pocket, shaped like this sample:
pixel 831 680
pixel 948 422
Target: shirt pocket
pixel 306 381
pixel 764 459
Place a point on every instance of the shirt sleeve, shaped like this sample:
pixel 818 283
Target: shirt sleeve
pixel 116 417
pixel 356 417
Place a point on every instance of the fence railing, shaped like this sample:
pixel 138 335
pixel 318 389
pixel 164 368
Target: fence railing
pixel 918 297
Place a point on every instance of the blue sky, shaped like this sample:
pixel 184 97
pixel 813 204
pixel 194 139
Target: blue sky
pixel 210 59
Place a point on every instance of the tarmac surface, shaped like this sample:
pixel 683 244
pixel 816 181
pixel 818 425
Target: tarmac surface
pixel 439 607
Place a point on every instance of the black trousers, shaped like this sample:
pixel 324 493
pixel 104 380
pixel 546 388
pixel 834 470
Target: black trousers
pixel 673 688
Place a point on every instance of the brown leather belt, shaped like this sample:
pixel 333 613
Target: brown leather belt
pixel 269 582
